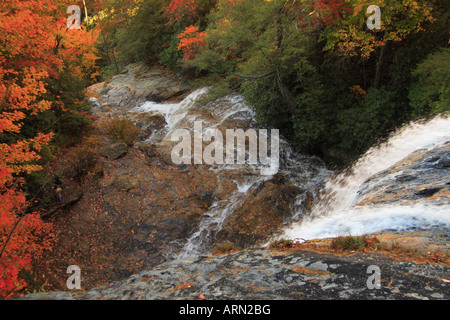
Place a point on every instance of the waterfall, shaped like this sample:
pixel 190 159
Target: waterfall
pixel 337 213
pixel 212 220
pixel 228 112
pixel 173 113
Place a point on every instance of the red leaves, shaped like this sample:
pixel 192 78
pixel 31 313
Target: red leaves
pixel 178 10
pixel 34 47
pixel 329 10
pixel 21 238
pixel 191 42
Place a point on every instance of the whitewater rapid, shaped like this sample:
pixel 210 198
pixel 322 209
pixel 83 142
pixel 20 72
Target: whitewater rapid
pixel 336 214
pixel 227 112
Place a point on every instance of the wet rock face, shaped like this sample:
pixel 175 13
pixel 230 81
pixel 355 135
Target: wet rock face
pixel 144 208
pixel 149 124
pixel 265 274
pixel 136 84
pixel 261 214
pixel 424 176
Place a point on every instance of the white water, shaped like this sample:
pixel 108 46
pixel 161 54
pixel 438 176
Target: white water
pixel 363 220
pixel 230 110
pixel 174 113
pixel 336 214
pixel 179 115
pixel 212 220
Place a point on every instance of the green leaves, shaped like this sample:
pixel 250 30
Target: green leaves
pixel 399 18
pixel 312 68
pixel 430 94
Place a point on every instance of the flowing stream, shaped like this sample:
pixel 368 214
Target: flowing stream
pixel 337 213
pixel 230 112
pixel 212 220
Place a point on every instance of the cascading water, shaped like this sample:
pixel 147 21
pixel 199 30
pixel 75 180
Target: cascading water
pixel 212 220
pixel 229 112
pixel 173 113
pixel 338 212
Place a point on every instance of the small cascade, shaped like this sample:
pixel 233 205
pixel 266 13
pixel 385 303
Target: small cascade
pixel 212 220
pixel 173 113
pixel 230 112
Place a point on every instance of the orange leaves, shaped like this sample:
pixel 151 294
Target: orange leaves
pixel 18 156
pixel 21 96
pixel 79 52
pixel 358 92
pixel 33 49
pixel 21 238
pixel 188 31
pixel 178 10
pixel 191 42
pixel 18 96
pixel 26 37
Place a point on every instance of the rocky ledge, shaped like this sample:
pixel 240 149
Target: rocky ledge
pixel 261 274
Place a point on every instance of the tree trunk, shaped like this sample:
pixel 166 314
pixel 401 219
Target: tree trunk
pixel 105 44
pixel 85 14
pixel 376 81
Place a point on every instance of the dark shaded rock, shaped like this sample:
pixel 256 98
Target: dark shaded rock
pixel 261 214
pixel 438 161
pixel 149 247
pixel 119 274
pixel 124 183
pixel 149 150
pixel 149 123
pixel 114 151
pixel 427 192
pixel 206 197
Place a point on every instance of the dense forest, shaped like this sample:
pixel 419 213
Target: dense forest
pixel 322 71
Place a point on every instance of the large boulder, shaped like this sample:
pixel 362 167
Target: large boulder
pixel 423 176
pixel 114 151
pixel 139 83
pixel 261 214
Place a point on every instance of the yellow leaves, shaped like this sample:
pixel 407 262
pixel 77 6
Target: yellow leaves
pixel 358 91
pixel 78 51
pixel 351 37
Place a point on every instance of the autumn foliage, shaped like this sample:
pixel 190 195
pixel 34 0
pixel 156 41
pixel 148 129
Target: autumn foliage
pixel 178 10
pixel 328 10
pixel 35 47
pixel 23 238
pixel 191 42
pixel 399 19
